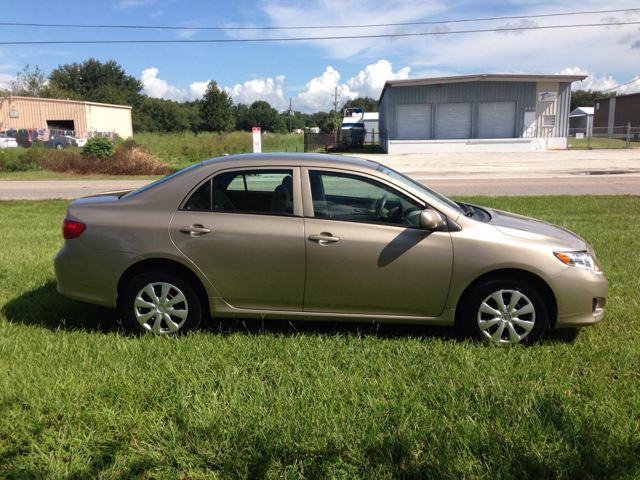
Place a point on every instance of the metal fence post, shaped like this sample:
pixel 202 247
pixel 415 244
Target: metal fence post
pixel 629 135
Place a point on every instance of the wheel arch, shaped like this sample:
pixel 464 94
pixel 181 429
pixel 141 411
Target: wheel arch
pixel 167 266
pixel 516 274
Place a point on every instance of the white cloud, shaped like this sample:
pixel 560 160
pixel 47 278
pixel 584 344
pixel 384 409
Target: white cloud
pixel 6 79
pixel 316 95
pixel 509 27
pixel 197 89
pixel 259 89
pixel 134 3
pixel 592 82
pixel 319 91
pixel 157 88
pixel 369 82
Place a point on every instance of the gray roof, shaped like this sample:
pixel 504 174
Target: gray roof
pixel 482 77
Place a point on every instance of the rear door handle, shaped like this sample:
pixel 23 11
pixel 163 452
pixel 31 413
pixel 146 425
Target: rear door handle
pixel 324 238
pixel 195 230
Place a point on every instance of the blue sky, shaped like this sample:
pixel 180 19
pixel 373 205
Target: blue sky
pixel 308 71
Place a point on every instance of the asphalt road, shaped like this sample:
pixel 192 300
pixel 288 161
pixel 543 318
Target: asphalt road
pixel 594 172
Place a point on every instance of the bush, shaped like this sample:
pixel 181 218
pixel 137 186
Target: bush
pixel 99 147
pixel 126 161
pixel 21 160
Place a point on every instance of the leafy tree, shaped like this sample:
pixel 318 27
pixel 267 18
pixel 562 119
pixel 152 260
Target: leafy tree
pixel 586 98
pixel 29 84
pixel 216 113
pixel 164 116
pixel 368 104
pixel 297 120
pixel 260 114
pixel 94 81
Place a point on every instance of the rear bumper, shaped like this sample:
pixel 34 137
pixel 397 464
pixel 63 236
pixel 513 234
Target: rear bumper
pixel 90 275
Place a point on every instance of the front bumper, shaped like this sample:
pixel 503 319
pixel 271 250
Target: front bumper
pixel 581 297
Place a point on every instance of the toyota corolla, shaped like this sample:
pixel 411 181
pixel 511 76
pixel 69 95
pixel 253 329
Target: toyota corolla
pixel 301 236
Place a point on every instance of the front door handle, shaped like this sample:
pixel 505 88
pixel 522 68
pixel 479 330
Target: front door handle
pixel 195 230
pixel 324 238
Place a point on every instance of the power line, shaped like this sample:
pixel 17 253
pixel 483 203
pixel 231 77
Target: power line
pixel 250 40
pixel 315 27
pixel 615 88
pixel 55 42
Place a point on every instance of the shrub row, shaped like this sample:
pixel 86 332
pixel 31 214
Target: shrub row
pixel 128 159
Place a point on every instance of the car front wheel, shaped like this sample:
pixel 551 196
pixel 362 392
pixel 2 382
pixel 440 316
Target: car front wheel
pixel 505 312
pixel 160 303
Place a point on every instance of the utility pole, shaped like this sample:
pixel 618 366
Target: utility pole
pixel 290 114
pixel 335 108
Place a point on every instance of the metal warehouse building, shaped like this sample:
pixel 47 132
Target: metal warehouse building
pixel 69 115
pixel 476 113
pixel 617 111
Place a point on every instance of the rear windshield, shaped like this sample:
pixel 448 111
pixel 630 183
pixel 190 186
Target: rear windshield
pixel 162 180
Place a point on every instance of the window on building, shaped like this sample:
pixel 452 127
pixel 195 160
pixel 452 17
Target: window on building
pixel 548 120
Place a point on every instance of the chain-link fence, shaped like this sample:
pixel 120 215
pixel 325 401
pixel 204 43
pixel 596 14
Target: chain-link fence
pixel 49 137
pixel 604 137
pixel 344 141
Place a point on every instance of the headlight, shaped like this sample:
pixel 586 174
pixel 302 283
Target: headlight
pixel 580 260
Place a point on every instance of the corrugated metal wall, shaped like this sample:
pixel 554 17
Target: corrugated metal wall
pixel 523 93
pixel 35 112
pixel 86 116
pixel 383 123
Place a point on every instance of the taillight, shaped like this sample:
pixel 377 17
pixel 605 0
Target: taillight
pixel 72 229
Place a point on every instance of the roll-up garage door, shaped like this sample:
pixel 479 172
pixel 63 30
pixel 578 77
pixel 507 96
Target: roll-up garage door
pixel 453 120
pixel 413 121
pixel 497 120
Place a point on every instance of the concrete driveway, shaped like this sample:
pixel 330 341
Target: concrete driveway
pixel 571 172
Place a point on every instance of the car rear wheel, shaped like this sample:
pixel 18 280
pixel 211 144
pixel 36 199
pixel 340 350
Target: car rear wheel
pixel 59 146
pixel 160 303
pixel 505 312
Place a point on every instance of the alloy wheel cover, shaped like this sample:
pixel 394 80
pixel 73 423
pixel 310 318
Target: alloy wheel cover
pixel 161 308
pixel 506 317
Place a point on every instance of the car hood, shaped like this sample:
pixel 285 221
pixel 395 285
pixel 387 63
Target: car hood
pixel 531 229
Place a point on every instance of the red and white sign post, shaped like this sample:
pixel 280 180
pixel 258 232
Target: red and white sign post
pixel 257 140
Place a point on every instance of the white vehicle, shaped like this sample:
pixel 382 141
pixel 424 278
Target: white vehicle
pixel 8 142
pixel 78 142
pixel 352 127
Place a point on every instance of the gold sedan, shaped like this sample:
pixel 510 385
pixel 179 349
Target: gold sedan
pixel 301 236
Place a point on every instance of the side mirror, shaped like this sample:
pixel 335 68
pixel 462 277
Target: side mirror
pixel 431 220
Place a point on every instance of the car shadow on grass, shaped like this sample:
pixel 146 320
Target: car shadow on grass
pixel 45 307
pixel 314 327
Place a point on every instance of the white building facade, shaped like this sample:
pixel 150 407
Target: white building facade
pixel 476 113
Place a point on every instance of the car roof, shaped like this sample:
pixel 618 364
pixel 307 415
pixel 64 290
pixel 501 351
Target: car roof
pixel 297 159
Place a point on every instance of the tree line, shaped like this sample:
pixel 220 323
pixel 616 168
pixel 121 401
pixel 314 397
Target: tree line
pixel 95 81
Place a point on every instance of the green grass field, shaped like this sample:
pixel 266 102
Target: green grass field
pixel 81 399
pixel 183 149
pixel 600 142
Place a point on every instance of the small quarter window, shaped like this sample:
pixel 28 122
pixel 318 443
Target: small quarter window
pixel 201 199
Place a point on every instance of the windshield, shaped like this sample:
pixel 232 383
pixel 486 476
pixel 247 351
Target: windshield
pixel 418 186
pixel 162 180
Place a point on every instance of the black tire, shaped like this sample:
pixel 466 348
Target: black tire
pixel 170 316
pixel 504 329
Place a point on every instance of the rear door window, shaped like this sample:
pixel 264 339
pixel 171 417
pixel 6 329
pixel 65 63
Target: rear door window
pixel 261 191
